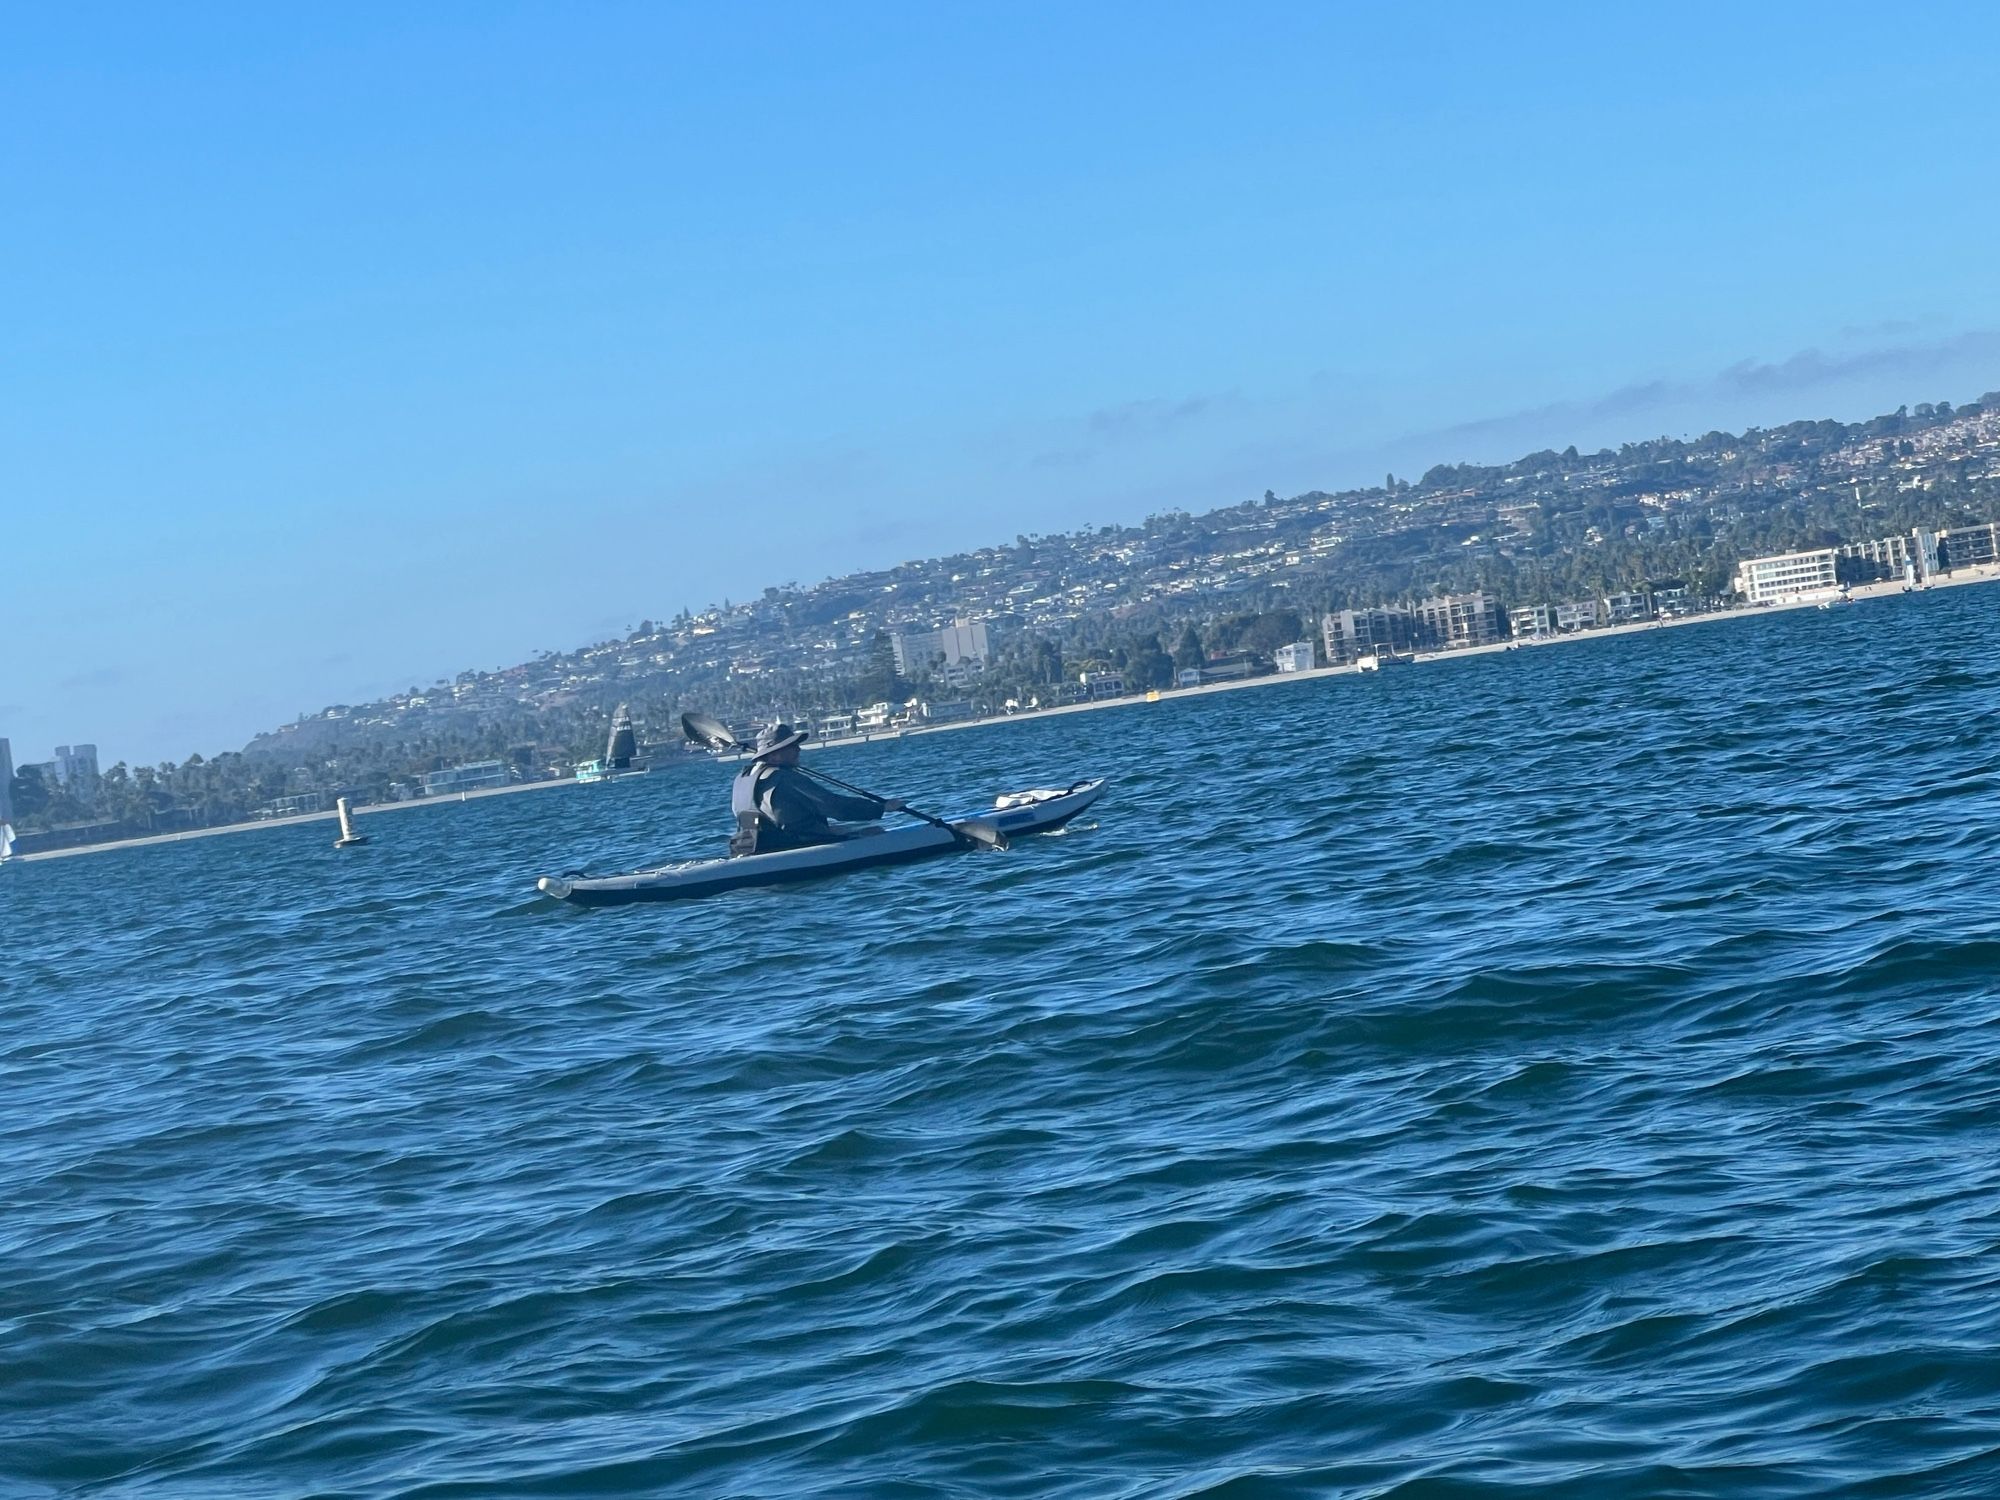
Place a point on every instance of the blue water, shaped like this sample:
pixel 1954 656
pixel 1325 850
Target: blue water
pixel 1573 1071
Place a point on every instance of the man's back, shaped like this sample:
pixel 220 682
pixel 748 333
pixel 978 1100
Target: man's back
pixel 791 810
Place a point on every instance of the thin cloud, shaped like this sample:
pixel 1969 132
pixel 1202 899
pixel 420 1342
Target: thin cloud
pixel 1627 399
pixel 1151 418
pixel 1807 370
pixel 1062 458
pixel 1888 328
pixel 96 677
pixel 1137 418
pixel 1814 367
pixel 875 532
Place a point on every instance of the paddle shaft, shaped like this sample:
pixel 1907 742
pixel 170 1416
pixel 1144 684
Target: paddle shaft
pixel 848 786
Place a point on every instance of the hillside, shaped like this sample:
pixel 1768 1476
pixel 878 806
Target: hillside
pixel 1140 600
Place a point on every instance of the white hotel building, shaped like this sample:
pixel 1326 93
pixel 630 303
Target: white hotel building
pixel 1788 578
pixel 961 650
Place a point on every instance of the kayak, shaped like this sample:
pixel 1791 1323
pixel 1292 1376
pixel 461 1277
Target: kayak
pixel 1039 811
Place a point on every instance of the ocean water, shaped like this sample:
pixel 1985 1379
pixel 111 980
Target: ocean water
pixel 1573 1071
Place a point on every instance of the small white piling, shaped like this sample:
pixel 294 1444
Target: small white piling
pixel 348 837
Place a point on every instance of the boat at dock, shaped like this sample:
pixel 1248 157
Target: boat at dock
pixel 1375 661
pixel 620 753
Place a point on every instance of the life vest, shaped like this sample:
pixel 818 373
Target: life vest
pixel 745 795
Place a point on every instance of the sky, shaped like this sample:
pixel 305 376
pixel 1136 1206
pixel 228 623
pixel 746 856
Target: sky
pixel 346 347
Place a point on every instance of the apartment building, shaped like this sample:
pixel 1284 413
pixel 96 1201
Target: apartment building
pixel 1789 576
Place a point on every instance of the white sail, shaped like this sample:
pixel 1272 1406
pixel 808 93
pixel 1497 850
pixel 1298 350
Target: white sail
pixel 6 840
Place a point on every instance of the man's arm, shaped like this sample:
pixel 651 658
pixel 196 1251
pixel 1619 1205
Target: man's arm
pixel 795 800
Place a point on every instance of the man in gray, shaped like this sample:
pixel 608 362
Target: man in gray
pixel 777 806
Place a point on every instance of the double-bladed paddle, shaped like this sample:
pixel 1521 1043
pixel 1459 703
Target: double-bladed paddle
pixel 715 734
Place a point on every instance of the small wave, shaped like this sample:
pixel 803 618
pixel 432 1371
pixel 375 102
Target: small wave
pixel 1451 1118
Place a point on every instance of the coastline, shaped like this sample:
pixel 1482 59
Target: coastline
pixel 1861 593
pixel 185 834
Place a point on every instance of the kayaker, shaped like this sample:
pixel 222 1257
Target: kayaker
pixel 777 806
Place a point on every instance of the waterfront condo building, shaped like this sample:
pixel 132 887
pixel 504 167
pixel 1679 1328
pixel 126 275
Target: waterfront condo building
pixel 1789 577
pixel 1102 684
pixel 76 769
pixel 1923 551
pixel 1629 606
pixel 1528 621
pixel 1350 634
pixel 1450 621
pixel 1966 546
pixel 1884 557
pixel 1297 657
pixel 1579 614
pixel 477 776
pixel 1532 620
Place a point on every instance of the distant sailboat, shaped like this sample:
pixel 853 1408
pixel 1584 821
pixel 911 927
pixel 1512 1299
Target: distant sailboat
pixel 624 742
pixel 620 751
pixel 6 842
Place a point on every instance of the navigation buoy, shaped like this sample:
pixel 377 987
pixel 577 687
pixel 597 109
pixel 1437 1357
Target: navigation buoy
pixel 348 837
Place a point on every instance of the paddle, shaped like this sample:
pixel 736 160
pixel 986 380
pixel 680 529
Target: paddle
pixel 713 733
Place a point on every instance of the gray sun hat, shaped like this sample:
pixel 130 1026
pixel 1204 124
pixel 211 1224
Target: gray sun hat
pixel 778 737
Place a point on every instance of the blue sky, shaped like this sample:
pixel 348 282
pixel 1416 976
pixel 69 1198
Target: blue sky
pixel 347 347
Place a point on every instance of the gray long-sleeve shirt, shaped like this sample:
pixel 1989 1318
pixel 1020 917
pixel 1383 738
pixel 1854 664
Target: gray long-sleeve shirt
pixel 801 807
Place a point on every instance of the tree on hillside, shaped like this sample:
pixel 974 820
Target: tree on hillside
pixel 29 793
pixel 1275 628
pixel 1187 651
pixel 1147 666
pixel 879 682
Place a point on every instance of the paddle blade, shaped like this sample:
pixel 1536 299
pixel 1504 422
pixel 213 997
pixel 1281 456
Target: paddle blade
pixel 706 731
pixel 982 833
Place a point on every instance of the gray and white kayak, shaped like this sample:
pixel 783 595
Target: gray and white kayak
pixel 1039 811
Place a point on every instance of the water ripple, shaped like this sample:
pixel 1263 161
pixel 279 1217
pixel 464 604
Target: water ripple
pixel 1559 1073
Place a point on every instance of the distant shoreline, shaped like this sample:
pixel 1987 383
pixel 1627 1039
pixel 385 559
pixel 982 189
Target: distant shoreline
pixel 182 835
pixel 1860 593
